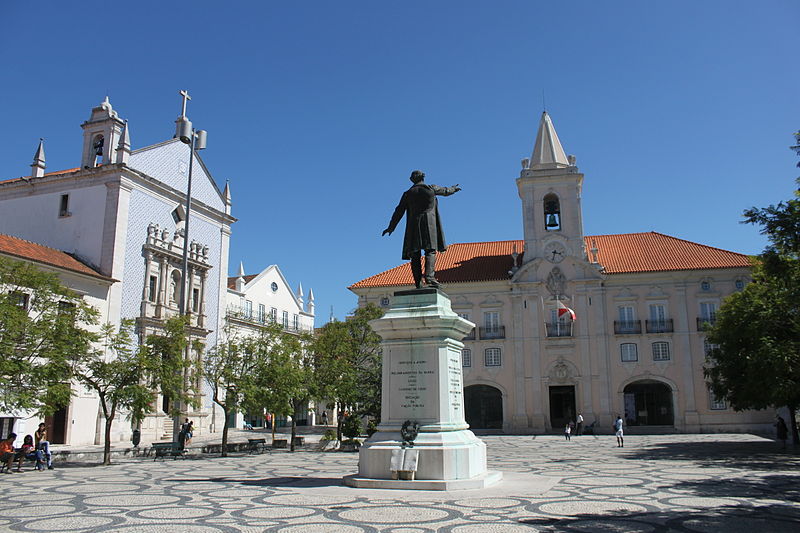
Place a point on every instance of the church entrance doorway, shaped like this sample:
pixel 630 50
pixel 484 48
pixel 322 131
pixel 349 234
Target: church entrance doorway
pixel 56 425
pixel 649 403
pixel 562 406
pixel 483 407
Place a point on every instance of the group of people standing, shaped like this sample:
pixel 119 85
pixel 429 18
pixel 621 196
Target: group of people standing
pixel 38 451
pixel 576 426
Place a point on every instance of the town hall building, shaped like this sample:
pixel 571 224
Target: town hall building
pixel 642 303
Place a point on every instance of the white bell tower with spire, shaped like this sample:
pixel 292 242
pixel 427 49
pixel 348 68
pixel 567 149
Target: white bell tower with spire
pixel 549 186
pixel 103 136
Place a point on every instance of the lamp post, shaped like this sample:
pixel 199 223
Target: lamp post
pixel 196 139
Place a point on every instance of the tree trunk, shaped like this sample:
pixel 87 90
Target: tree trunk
pixel 225 434
pixel 793 424
pixel 294 432
pixel 107 442
pixel 273 427
pixel 339 420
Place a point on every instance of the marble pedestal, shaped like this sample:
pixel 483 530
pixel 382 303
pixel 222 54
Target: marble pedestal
pixel 422 383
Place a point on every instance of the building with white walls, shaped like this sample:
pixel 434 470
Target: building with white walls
pixel 122 211
pixel 642 300
pixel 78 424
pixel 256 300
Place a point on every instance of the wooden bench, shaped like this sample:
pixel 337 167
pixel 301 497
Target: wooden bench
pixel 256 445
pixel 280 443
pixel 163 449
pixel 299 441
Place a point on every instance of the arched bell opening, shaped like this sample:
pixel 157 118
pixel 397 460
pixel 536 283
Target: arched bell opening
pixel 552 212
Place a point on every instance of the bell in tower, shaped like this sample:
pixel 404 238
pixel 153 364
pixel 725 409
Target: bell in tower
pixel 552 213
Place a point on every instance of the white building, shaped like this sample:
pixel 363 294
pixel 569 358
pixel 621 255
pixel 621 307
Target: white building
pixel 642 301
pixel 122 212
pixel 79 423
pixel 255 300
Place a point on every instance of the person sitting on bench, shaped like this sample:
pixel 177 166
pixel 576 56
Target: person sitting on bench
pixel 7 454
pixel 43 444
pixel 29 451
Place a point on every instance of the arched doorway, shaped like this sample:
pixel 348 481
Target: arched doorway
pixel 648 403
pixel 483 406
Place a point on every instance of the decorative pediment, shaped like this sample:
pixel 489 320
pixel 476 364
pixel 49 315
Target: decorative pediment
pixel 491 301
pixel 625 294
pixel 656 292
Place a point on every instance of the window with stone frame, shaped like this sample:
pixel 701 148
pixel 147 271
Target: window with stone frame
pixel 716 404
pixel 285 319
pixel 628 352
pixel 262 313
pixel 661 351
pixel 466 357
pixel 492 357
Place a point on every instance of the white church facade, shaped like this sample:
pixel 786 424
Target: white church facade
pixel 122 213
pixel 642 302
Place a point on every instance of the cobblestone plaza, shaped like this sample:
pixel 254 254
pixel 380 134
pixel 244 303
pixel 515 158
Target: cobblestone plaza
pixel 689 483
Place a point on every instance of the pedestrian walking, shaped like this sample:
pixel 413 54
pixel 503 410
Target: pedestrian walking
pixel 618 432
pixel 567 431
pixel 579 425
pixel 782 432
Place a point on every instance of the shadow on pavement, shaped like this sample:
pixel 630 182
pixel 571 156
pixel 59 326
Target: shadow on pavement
pixel 764 455
pixel 773 518
pixel 284 481
pixel 784 487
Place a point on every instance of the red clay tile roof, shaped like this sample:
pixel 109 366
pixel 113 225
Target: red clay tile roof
pixel 68 171
pixel 247 279
pixel 31 251
pixel 619 254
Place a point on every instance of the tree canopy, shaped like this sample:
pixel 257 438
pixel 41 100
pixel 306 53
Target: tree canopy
pixel 348 359
pixel 754 360
pixel 44 329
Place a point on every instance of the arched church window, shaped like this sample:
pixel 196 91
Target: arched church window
pixel 552 212
pixel 97 149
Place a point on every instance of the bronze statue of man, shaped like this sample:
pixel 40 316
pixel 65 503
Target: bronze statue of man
pixel 423 226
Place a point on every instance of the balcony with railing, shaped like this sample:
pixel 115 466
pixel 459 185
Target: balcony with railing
pixel 704 322
pixel 242 314
pixel 493 332
pixel 470 336
pixel 663 325
pixel 558 329
pixel 627 327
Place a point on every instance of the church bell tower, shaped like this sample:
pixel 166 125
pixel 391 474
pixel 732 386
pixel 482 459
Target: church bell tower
pixel 549 186
pixel 101 136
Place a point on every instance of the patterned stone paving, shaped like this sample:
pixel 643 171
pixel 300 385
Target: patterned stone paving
pixel 687 483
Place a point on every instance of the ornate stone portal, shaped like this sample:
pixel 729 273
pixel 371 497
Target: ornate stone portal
pixel 422 383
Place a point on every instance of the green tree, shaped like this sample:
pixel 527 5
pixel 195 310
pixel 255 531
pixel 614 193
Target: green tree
pixel 755 359
pixel 174 366
pixel 232 370
pixel 115 374
pixel 348 362
pixel 287 380
pixel 43 331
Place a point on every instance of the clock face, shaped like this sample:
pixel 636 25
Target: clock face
pixel 555 252
pixel 274 287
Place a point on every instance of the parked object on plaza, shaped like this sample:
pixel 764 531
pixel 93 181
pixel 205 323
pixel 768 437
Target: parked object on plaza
pixel 423 226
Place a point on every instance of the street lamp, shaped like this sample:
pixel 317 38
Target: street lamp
pixel 196 139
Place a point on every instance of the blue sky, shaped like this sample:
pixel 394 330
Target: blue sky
pixel 680 113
